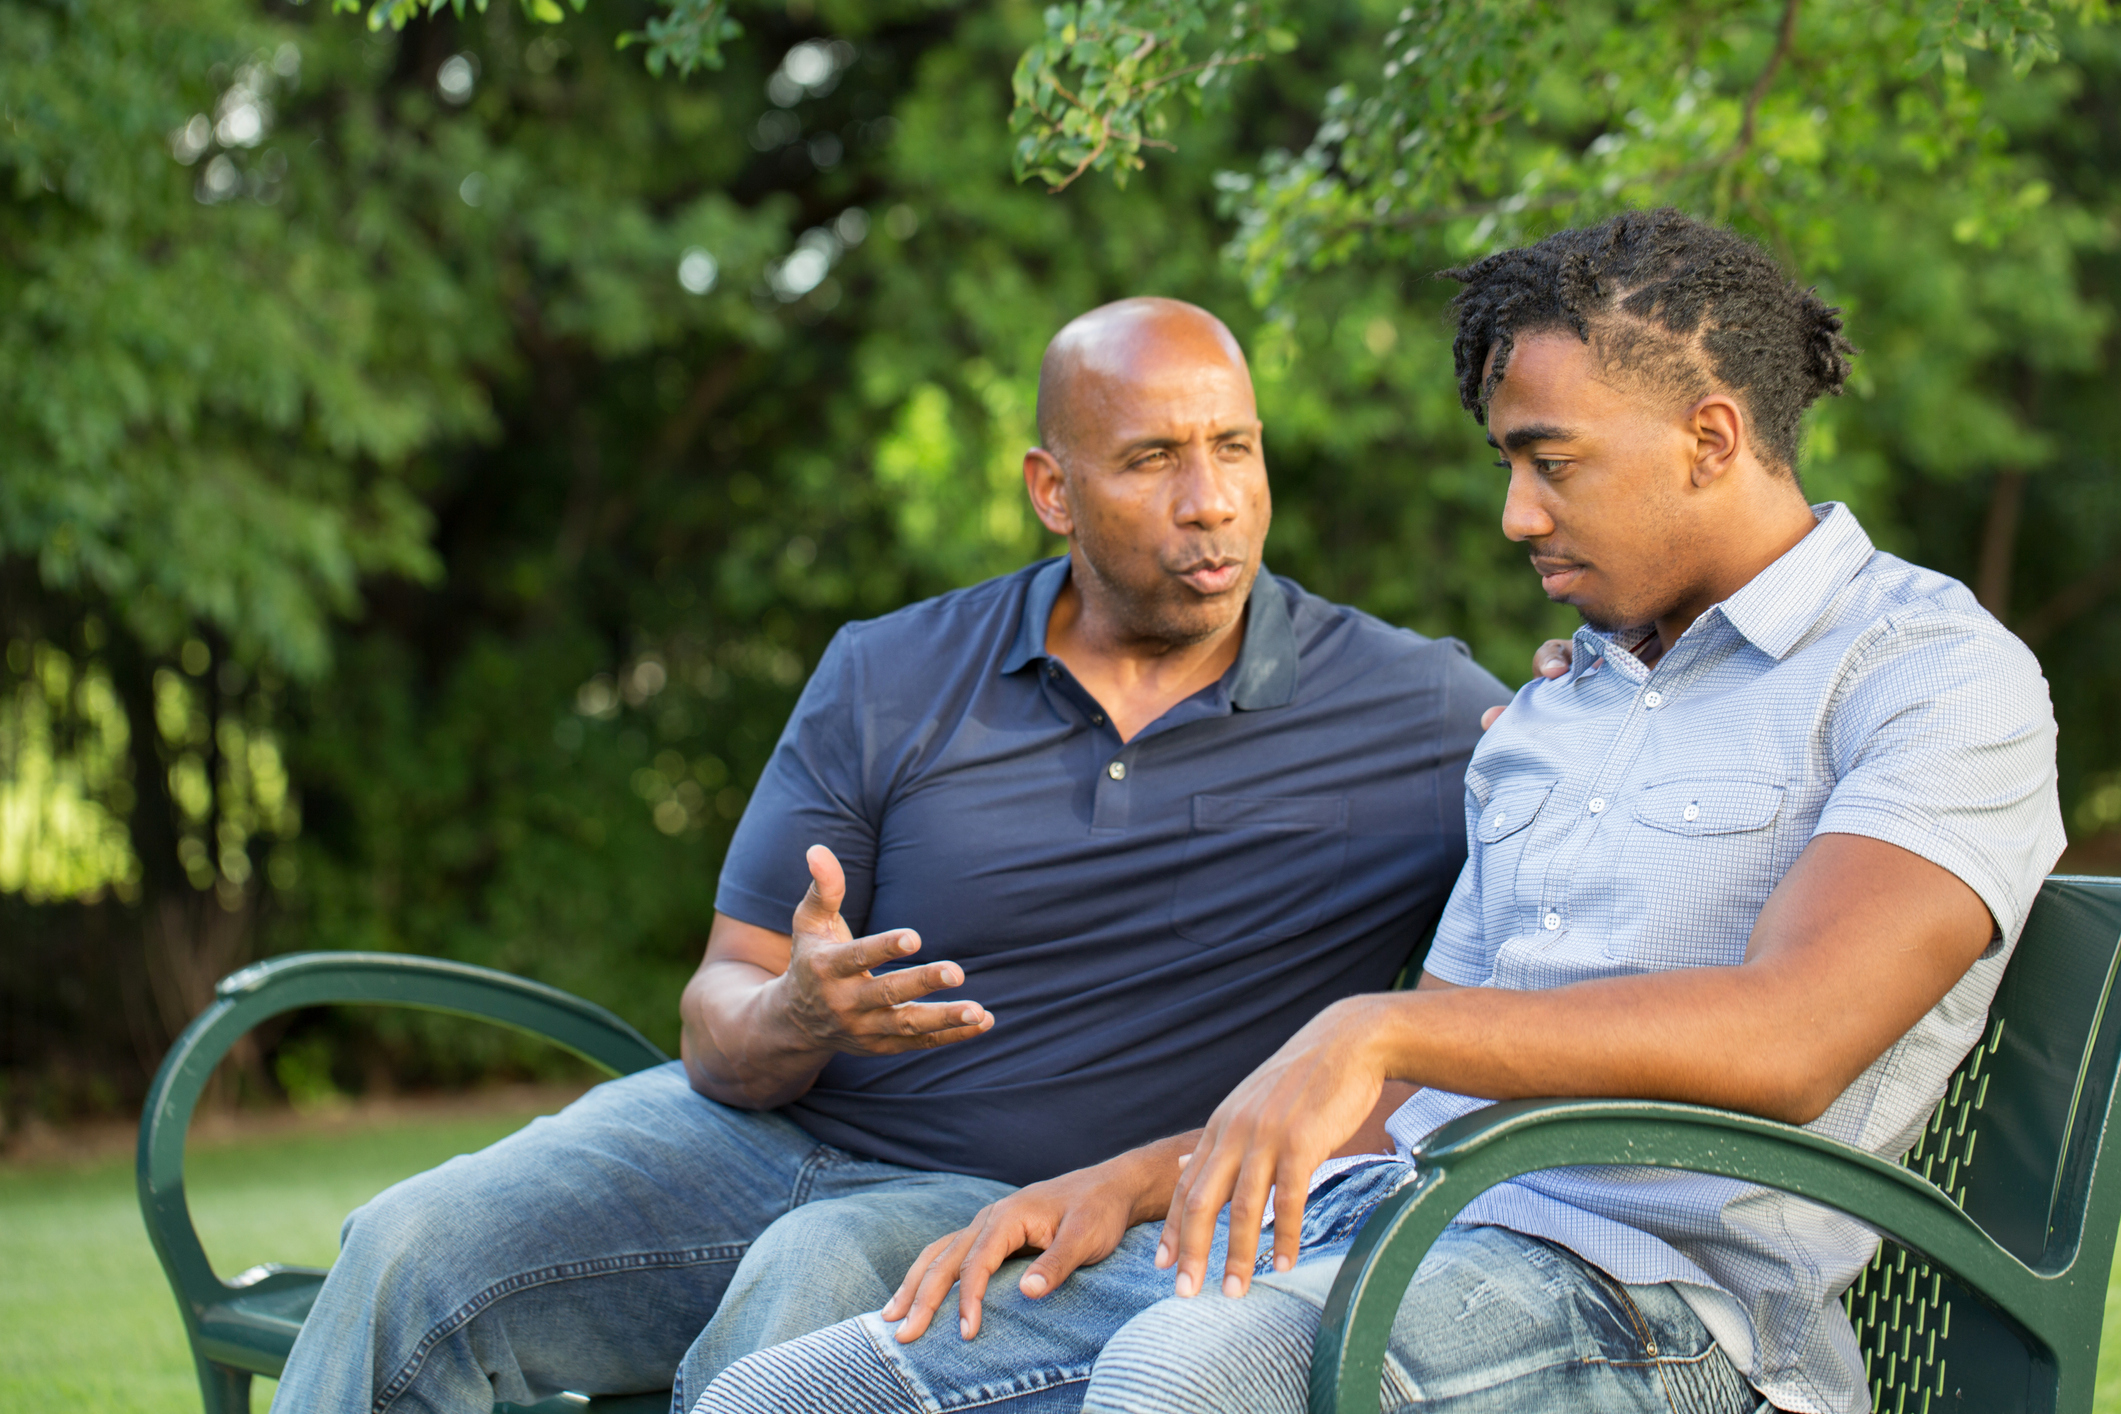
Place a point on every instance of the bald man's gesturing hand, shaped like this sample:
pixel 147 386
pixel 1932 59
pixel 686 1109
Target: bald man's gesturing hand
pixel 840 1004
pixel 767 1010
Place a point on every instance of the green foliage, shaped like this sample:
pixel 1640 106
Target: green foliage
pixel 449 446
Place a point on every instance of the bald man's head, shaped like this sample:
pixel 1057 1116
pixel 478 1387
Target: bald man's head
pixel 1152 466
pixel 1105 351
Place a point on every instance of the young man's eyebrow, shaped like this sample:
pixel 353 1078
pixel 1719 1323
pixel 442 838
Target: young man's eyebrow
pixel 1521 437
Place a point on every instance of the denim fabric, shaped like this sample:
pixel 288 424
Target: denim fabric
pixel 1495 1323
pixel 641 1239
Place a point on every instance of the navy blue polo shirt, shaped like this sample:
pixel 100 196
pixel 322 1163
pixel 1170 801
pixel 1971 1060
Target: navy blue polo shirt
pixel 1147 920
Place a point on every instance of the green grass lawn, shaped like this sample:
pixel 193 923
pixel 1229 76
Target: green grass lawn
pixel 87 1325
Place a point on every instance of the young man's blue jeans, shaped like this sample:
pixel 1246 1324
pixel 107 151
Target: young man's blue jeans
pixel 621 1245
pixel 1495 1323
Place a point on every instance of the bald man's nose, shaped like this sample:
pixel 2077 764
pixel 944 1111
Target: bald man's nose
pixel 1210 496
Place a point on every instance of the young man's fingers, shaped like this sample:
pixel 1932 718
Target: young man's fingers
pixel 1248 1204
pixel 858 955
pixel 937 1278
pixel 1553 657
pixel 908 1284
pixel 895 988
pixel 1210 1179
pixel 1075 1245
pixel 982 1259
pixel 1490 717
pixel 918 1024
pixel 1291 1190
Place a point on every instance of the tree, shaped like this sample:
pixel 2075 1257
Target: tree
pixel 439 452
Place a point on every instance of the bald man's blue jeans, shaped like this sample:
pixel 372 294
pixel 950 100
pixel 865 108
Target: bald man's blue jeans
pixel 641 1239
pixel 1495 1323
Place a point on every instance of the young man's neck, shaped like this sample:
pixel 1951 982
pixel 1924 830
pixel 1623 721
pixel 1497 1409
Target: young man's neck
pixel 1134 677
pixel 1775 529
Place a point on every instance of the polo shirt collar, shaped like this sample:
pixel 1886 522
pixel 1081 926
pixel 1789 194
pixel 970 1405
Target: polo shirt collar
pixel 1263 676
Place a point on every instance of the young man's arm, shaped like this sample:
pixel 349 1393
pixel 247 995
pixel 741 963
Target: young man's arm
pixel 1073 1221
pixel 1857 942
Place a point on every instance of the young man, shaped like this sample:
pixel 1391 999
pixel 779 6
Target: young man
pixel 1767 845
pixel 1157 807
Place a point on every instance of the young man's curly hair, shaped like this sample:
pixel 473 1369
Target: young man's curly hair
pixel 1667 303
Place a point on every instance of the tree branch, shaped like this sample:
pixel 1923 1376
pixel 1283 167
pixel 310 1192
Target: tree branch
pixel 2086 592
pixel 1783 42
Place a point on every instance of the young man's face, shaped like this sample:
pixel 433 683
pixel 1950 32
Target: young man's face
pixel 1599 475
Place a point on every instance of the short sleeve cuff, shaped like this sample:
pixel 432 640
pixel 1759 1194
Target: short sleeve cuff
pixel 1935 841
pixel 747 906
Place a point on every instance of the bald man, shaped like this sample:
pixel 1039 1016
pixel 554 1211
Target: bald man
pixel 1066 855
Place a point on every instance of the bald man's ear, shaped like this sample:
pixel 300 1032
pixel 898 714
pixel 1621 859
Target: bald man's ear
pixel 1048 488
pixel 1720 434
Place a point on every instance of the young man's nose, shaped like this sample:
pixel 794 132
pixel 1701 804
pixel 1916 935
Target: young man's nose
pixel 1524 517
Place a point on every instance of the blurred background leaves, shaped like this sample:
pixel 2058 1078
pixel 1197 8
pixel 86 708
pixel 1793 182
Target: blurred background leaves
pixel 437 451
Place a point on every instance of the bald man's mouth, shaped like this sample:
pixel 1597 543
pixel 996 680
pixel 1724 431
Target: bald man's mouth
pixel 1213 576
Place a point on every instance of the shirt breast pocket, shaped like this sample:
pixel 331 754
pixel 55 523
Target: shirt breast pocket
pixel 1502 832
pixel 1705 849
pixel 1258 869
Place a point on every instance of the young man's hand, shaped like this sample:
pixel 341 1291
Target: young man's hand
pixel 1550 660
pixel 830 996
pixel 1280 1123
pixel 1078 1219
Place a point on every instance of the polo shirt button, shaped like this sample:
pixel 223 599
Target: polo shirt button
pixel 1117 770
pixel 1653 699
pixel 1552 921
pixel 1097 719
pixel 1597 804
pixel 1690 814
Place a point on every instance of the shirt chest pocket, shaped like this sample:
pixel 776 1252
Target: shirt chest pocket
pixel 1502 832
pixel 1706 849
pixel 1258 869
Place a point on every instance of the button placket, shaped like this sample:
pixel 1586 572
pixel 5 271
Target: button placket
pixel 1628 742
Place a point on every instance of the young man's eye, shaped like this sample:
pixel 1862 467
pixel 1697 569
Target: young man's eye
pixel 1545 465
pixel 1503 462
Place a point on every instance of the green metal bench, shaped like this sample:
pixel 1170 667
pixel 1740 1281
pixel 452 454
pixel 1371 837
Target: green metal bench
pixel 1989 1298
pixel 1990 1293
pixel 246 1326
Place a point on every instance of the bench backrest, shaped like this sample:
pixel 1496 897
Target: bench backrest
pixel 2017 1141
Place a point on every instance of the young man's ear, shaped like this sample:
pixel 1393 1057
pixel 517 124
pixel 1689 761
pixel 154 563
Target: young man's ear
pixel 1047 485
pixel 1719 437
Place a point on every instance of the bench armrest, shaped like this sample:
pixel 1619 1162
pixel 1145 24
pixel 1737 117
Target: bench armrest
pixel 1470 1155
pixel 282 984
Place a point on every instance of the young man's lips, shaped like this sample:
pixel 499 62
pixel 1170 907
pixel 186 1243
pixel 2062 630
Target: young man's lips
pixel 1554 576
pixel 1213 579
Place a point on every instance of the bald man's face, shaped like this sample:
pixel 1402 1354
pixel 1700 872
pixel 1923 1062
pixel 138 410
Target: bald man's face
pixel 1161 481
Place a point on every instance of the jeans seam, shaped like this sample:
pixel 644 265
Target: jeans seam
pixel 523 1281
pixel 820 1158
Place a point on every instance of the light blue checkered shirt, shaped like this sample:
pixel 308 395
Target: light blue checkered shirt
pixel 1624 819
